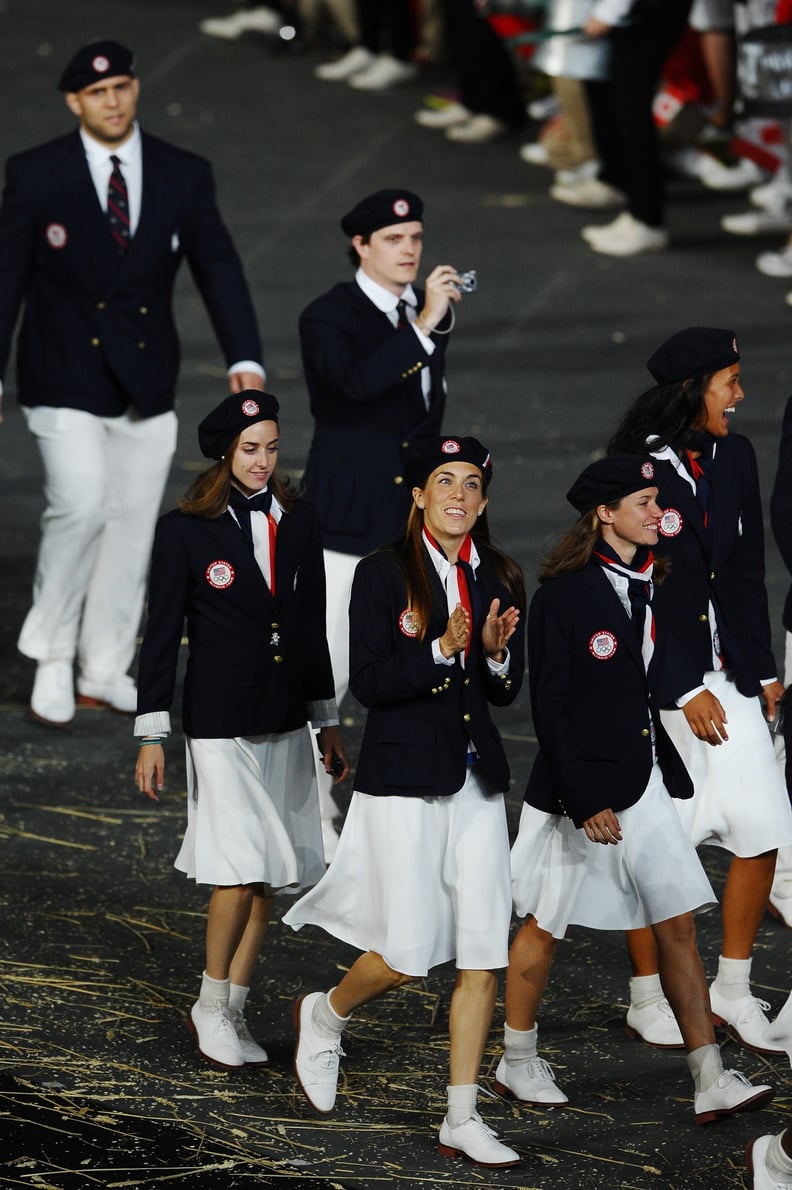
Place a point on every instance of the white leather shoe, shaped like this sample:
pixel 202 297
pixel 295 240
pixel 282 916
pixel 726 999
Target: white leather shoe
pixel 52 699
pixel 776 264
pixel 729 1094
pixel 353 61
pixel 654 1024
pixel 743 174
pixel 745 1018
pixel 478 130
pixel 383 73
pixel 625 236
pixel 588 192
pixel 534 153
pixel 252 1053
pixel 759 222
pixel 443 117
pixel 779 1032
pixel 756 1161
pixel 119 695
pixel 245 20
pixel 531 1082
pixel 215 1035
pixel 316 1058
pixel 475 1141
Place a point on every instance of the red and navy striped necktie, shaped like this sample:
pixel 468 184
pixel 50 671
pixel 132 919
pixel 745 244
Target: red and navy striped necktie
pixel 118 207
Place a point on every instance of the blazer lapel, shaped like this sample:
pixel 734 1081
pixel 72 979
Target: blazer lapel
pixel 228 536
pixel 604 599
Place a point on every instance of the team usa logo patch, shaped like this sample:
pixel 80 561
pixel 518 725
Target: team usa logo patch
pixel 100 64
pixel 647 471
pixel 670 524
pixel 57 236
pixel 603 645
pixel 450 447
pixel 408 622
pixel 401 207
pixel 220 574
pixel 250 408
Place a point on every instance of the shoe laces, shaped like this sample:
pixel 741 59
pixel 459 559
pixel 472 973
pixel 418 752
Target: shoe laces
pixel 538 1068
pixel 328 1057
pixel 223 1022
pixel 754 1010
pixel 240 1025
pixel 732 1076
pixel 478 1123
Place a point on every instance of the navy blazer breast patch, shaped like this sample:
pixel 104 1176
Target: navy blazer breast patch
pixel 603 645
pixel 57 236
pixel 220 574
pixel 671 523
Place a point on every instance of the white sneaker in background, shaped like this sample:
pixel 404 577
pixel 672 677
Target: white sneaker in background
pixel 353 61
pixel 777 264
pixel 245 20
pixel 383 73
pixel 588 192
pixel 625 236
pixel 758 222
pixel 478 130
pixel 443 117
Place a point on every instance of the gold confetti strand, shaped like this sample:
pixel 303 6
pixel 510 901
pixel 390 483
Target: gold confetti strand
pixel 126 922
pixel 9 831
pixel 72 813
pixel 147 925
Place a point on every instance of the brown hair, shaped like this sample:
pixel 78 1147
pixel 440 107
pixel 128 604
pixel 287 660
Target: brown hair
pixel 575 547
pixel 207 496
pixel 412 559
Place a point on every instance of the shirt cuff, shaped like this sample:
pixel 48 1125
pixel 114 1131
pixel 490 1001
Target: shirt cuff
pixel 153 723
pixel 691 694
pixel 248 365
pixel 437 656
pixel 767 681
pixel 427 343
pixel 323 713
pixel 498 667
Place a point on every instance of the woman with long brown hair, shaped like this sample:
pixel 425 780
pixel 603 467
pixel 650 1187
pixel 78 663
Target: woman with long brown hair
pixel 241 561
pixel 421 875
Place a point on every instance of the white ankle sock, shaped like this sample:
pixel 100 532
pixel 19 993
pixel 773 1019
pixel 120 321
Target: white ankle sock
pixel 645 990
pixel 519 1045
pixel 214 990
pixel 779 1163
pixel 733 980
pixel 237 997
pixel 326 1020
pixel 705 1065
pixel 461 1103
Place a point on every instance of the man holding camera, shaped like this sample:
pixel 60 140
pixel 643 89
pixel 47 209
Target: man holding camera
pixel 373 353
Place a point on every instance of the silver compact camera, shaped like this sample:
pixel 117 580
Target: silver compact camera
pixel 468 282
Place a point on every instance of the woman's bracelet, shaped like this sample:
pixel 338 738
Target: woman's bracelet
pixel 152 740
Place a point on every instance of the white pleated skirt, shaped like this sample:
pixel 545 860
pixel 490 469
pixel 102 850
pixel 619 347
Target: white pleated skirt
pixel 253 812
pixel 562 878
pixel 740 800
pixel 419 880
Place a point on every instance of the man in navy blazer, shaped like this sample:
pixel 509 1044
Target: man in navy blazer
pixel 373 353
pixel 93 228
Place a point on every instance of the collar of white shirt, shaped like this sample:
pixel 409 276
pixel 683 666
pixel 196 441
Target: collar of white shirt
pixel 383 299
pixel 128 153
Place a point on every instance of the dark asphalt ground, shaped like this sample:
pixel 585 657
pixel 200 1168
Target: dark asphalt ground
pixel 101 944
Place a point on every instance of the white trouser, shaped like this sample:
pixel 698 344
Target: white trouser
pixel 103 482
pixel 339 572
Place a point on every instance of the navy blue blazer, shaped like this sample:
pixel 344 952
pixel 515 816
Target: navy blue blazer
pixel 590 700
pixel 724 563
pixel 364 382
pixel 420 714
pixel 781 505
pixel 96 325
pixel 255 660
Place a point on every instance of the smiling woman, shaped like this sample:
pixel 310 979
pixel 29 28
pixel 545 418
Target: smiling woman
pixel 715 602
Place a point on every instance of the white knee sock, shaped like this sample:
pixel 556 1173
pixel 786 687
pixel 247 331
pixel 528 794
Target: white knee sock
pixel 461 1103
pixel 779 1163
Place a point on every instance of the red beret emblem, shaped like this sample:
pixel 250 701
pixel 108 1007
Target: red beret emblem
pixel 100 64
pixel 450 447
pixel 401 207
pixel 57 236
pixel 250 408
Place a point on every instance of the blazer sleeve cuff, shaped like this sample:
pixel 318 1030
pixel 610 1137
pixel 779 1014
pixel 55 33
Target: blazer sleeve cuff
pixel 323 712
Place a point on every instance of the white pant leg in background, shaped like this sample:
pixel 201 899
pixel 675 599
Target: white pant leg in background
pixel 103 484
pixel 339 572
pixel 781 892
